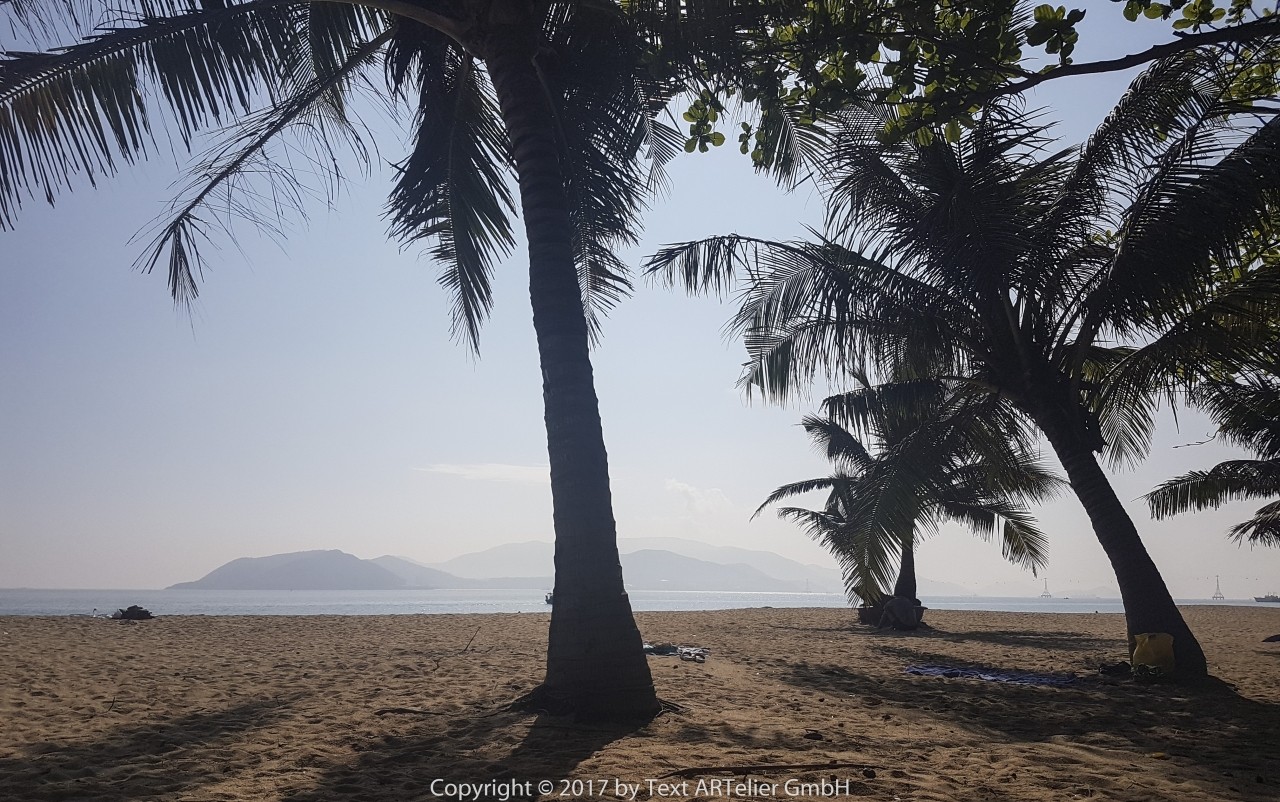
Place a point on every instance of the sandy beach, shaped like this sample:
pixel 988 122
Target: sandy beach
pixel 805 703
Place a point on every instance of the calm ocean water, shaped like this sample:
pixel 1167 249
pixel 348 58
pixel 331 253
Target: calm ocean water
pixel 22 601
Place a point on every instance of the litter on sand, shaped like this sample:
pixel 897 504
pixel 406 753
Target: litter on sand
pixel 696 654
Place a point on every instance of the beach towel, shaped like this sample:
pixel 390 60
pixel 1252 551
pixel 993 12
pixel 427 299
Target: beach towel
pixel 992 675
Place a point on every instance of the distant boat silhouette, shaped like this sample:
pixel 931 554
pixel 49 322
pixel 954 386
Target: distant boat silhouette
pixel 1270 597
pixel 550 597
pixel 1046 594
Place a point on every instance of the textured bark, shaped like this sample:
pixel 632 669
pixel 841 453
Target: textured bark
pixel 1148 606
pixel 906 584
pixel 596 666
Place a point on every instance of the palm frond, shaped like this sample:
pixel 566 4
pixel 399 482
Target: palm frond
pixel 334 30
pixel 452 189
pixel 837 443
pixel 821 307
pixel 1246 410
pixel 605 102
pixel 709 266
pixel 1169 98
pixel 865 562
pixel 798 489
pixel 663 144
pixel 795 145
pixel 177 243
pixel 1233 480
pixel 1206 200
pixel 1126 415
pixel 939 205
pixel 940 453
pixel 81 110
pixel 47 24
pixel 1021 541
pixel 1263 529
pixel 805 302
pixel 886 411
pixel 1027 481
pixel 1225 330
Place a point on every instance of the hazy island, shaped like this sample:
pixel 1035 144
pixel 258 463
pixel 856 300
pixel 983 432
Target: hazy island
pixel 649 564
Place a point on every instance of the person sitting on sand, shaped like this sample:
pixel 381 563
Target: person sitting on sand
pixel 901 613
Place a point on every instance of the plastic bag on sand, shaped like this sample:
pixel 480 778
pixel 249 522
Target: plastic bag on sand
pixel 1154 650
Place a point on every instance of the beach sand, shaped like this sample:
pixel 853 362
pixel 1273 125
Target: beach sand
pixel 287 708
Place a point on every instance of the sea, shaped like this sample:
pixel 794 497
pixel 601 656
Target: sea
pixel 35 602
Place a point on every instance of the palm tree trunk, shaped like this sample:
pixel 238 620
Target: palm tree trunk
pixel 596 665
pixel 1148 606
pixel 906 584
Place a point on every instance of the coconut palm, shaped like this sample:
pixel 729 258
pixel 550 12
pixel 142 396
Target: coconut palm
pixel 936 457
pixel 1079 285
pixel 1247 412
pixel 553 94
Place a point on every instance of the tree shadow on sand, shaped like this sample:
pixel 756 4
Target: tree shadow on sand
pixel 1208 722
pixel 1054 641
pixel 151 760
pixel 1041 640
pixel 503 747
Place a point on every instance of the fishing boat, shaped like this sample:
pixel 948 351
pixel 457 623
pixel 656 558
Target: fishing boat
pixel 1270 597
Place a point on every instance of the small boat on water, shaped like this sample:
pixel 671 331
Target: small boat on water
pixel 1270 597
pixel 550 597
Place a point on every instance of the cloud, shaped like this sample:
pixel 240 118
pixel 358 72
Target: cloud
pixel 494 472
pixel 700 502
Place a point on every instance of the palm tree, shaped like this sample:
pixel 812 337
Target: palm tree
pixel 555 93
pixel 1247 412
pixel 1078 285
pixel 938 457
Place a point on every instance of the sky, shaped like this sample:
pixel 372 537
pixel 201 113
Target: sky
pixel 313 399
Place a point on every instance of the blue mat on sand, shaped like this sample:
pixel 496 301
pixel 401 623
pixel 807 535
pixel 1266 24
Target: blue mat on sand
pixel 1014 677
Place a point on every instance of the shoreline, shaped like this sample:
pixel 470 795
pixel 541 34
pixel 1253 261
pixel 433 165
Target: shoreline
pixel 1182 605
pixel 313 602
pixel 231 708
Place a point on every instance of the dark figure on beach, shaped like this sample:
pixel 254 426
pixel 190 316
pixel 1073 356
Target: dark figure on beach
pixel 133 613
pixel 901 613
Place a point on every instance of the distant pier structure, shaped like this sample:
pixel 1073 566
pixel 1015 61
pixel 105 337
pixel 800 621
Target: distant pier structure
pixel 1046 594
pixel 1217 589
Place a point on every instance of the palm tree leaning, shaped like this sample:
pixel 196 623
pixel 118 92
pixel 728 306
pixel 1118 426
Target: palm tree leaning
pixel 937 457
pixel 1080 285
pixel 554 92
pixel 1247 411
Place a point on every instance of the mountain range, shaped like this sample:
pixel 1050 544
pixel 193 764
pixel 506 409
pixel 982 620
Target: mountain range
pixel 659 563
pixel 299 570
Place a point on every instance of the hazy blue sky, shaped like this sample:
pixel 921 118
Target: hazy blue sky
pixel 315 400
